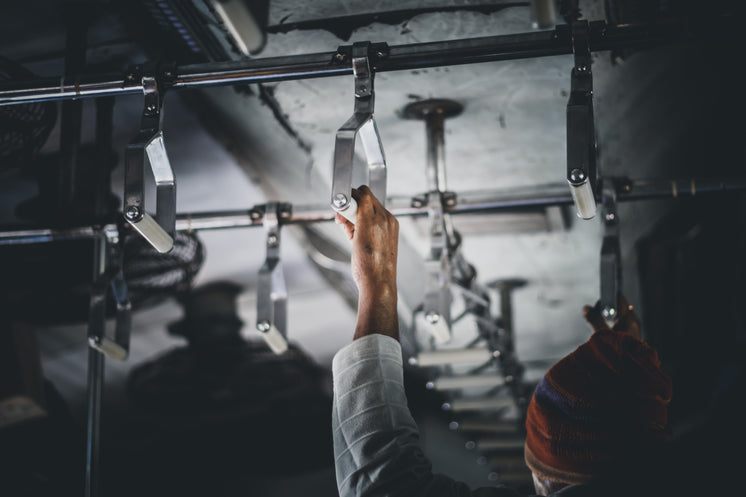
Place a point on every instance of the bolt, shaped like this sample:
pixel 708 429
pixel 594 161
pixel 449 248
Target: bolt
pixel 417 203
pixel 340 57
pixel 255 214
pixel 610 216
pixel 432 317
pixel 446 406
pixel 577 176
pixel 263 326
pixel 470 445
pixel 363 89
pixel 430 385
pixel 132 213
pixel 608 312
pixel 272 240
pixel 453 425
pixel 450 202
pixel 340 200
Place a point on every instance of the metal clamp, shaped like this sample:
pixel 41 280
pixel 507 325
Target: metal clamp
pixel 611 267
pixel 149 144
pixel 360 124
pixel 271 313
pixel 581 135
pixel 108 276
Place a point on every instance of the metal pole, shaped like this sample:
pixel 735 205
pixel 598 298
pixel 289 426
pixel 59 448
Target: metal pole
pixel 383 58
pixel 468 203
pixel 77 18
pixel 95 381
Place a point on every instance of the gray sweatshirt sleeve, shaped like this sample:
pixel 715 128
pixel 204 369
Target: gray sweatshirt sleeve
pixel 376 441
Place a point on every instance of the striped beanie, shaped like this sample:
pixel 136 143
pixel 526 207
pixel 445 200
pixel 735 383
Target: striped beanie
pixel 597 409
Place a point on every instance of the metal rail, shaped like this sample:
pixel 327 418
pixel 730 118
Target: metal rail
pixel 467 203
pixel 383 58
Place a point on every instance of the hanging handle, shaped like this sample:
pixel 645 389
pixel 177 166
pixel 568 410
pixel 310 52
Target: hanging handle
pixel 271 313
pixel 611 267
pixel 361 124
pixel 149 145
pixel 108 275
pixel 581 135
pixel 438 270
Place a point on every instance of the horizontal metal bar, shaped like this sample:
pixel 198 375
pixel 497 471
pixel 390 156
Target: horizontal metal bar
pixel 44 235
pixel 395 58
pixel 468 203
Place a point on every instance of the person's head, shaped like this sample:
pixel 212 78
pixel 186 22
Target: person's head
pixel 598 413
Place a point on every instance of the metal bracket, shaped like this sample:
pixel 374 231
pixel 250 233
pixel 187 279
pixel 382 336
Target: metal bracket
pixel 108 276
pixel 360 124
pixel 438 273
pixel 271 313
pixel 581 135
pixel 149 144
pixel 611 266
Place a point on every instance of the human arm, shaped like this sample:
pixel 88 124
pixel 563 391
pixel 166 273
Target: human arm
pixel 376 440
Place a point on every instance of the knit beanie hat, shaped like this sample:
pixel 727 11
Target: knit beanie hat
pixel 597 409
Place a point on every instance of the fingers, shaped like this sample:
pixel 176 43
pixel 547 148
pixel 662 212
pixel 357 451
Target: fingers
pixel 594 318
pixel 346 225
pixel 628 321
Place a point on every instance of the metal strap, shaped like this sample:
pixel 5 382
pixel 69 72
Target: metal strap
pixel 271 314
pixel 149 144
pixel 611 266
pixel 361 124
pixel 438 273
pixel 108 275
pixel 581 136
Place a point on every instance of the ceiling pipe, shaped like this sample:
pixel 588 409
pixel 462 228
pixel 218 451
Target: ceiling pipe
pixel 602 37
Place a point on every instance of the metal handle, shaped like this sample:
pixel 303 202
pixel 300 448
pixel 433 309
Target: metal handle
pixel 108 275
pixel 581 135
pixel 149 144
pixel 483 404
pixel 444 357
pixel 466 381
pixel 362 125
pixel 271 313
pixel 611 267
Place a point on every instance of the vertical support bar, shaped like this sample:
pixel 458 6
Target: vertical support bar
pixel 95 370
pixel 77 18
pixel 104 128
pixel 436 160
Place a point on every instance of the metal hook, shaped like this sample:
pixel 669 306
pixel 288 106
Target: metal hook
pixel 360 124
pixel 581 135
pixel 149 143
pixel 611 266
pixel 271 314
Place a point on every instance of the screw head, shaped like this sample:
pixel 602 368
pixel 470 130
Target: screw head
pixel 610 216
pixel 263 326
pixel 340 200
pixel 577 175
pixel 608 312
pixel 432 317
pixel 132 213
pixel 272 240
